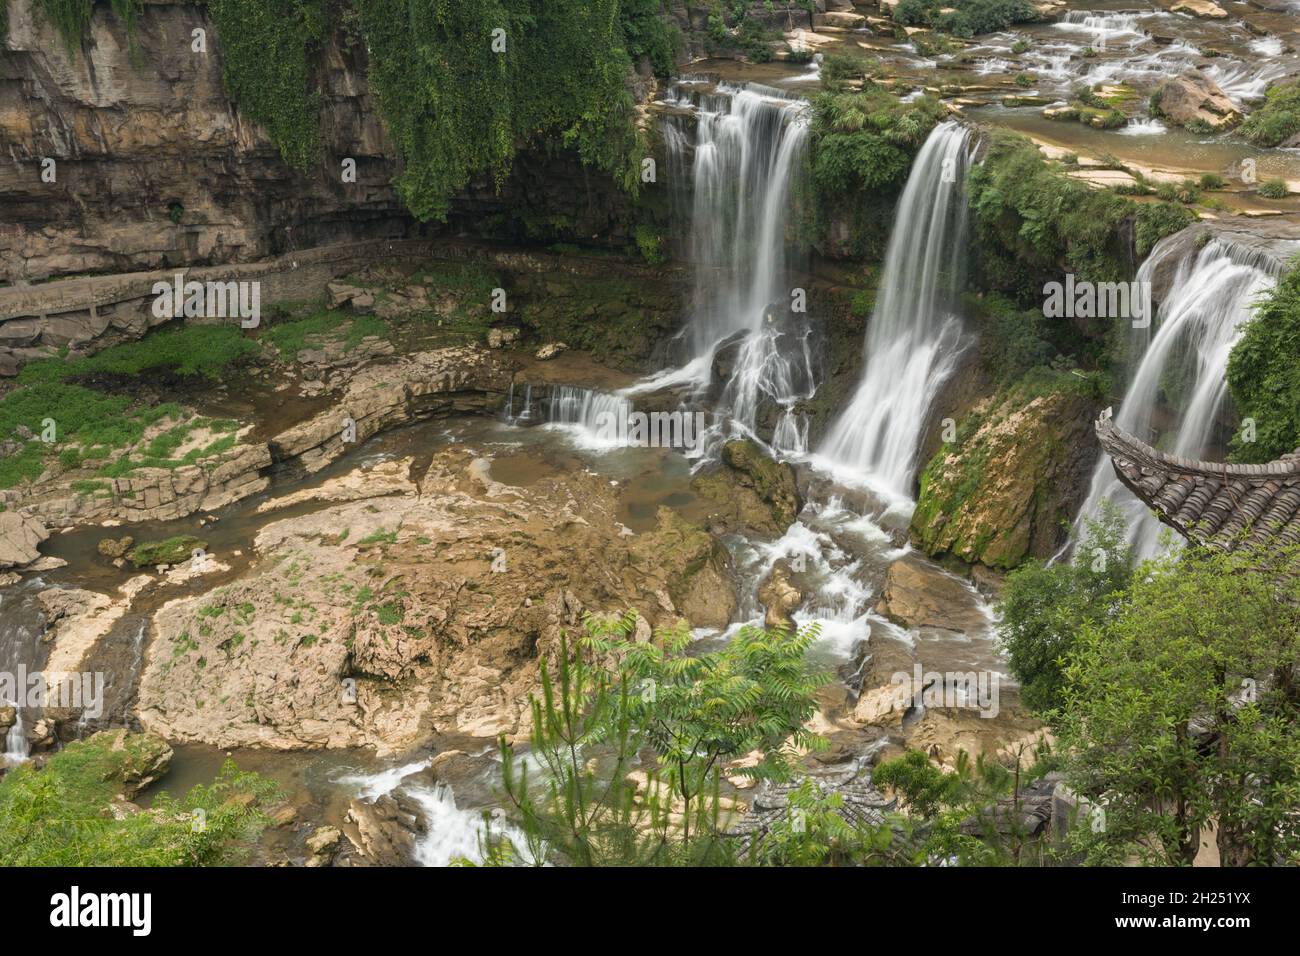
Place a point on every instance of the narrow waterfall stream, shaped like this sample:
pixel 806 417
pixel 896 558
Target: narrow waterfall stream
pixel 914 335
pixel 1195 330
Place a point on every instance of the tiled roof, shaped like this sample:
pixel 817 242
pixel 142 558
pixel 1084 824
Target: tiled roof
pixel 1215 504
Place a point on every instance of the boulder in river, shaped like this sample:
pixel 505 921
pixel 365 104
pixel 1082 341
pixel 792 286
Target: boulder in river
pixel 20 538
pixel 1195 101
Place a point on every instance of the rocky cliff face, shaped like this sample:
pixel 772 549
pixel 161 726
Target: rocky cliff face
pixel 154 166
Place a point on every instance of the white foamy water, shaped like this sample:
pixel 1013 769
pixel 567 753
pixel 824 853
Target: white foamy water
pixel 451 833
pixel 1266 46
pixel 1144 127
pixel 1244 83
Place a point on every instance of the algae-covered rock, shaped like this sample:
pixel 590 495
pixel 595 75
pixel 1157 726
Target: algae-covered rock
pixel 171 551
pixel 754 491
pixel 1005 489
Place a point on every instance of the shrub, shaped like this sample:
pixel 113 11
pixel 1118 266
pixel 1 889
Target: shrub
pixel 1033 222
pixel 1278 119
pixel 1157 220
pixel 173 550
pixel 1263 376
pixel 57 816
pixel 1273 189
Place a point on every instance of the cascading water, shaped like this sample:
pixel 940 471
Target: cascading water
pixel 914 336
pixel 587 412
pixel 1197 326
pixel 739 157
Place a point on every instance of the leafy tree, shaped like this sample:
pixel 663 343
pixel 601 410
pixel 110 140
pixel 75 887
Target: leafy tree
pixel 616 704
pixel 1263 375
pixel 1182 711
pixel 971 814
pixel 816 833
pixel 1044 605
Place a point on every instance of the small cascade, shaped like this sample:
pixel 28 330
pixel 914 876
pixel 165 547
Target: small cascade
pixel 17 748
pixel 1144 127
pixel 914 335
pixel 597 418
pixel 450 833
pixel 519 408
pixel 1102 28
pixel 1196 327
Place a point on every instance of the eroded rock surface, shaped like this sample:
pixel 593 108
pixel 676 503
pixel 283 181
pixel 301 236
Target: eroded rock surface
pixel 378 621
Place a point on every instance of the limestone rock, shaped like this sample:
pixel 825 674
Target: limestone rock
pixel 752 490
pixel 1195 100
pixel 315 646
pixel 550 350
pixel 917 594
pixel 1205 9
pixel 780 597
pixel 386 829
pixel 20 538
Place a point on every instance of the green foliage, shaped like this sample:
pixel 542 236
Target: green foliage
pixel 1182 711
pixel 174 550
pixel 1044 605
pixel 648 33
pixel 1278 119
pixel 926 788
pixel 865 141
pixel 1157 220
pixel 92 424
pixel 1263 375
pixel 1210 181
pixel 964 18
pixel 291 337
pixel 971 814
pixel 1015 341
pixel 267 46
pixel 650 244
pixel 185 350
pixel 96 422
pixel 816 833
pixel 1033 222
pixel 1273 189
pixel 457 109
pixel 618 699
pixel 839 65
pixel 58 816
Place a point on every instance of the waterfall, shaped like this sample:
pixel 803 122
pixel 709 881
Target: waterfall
pixel 1197 325
pixel 734 152
pixel 914 335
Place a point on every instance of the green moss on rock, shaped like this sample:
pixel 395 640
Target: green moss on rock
pixel 1003 491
